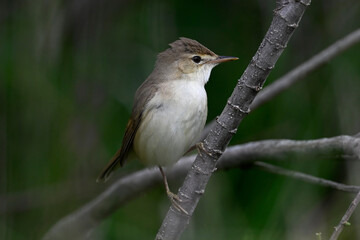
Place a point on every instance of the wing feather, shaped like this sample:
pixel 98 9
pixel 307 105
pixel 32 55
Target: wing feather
pixel 144 93
pixel 120 156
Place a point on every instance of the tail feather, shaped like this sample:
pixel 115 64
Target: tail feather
pixel 114 163
pixel 119 158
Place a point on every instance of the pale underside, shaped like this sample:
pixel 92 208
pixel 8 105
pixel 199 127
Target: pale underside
pixel 172 123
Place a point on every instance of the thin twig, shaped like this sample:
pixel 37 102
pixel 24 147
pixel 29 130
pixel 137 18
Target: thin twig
pixel 345 219
pixel 299 73
pixel 305 68
pixel 307 178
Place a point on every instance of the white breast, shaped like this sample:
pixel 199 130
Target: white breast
pixel 173 124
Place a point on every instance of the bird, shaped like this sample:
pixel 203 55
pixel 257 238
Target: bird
pixel 169 110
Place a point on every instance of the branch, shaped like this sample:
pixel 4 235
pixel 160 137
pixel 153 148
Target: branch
pixel 307 178
pixel 345 219
pixel 299 73
pixel 305 68
pixel 285 21
pixel 79 223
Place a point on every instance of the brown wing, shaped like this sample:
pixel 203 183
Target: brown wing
pixel 120 156
pixel 144 93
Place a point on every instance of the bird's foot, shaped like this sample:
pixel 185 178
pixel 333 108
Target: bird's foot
pixel 175 200
pixel 200 148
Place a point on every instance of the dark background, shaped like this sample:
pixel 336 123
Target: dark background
pixel 68 72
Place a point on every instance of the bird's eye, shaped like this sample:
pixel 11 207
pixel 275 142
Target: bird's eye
pixel 196 59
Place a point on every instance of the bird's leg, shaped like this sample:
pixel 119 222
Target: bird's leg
pixel 199 146
pixel 174 198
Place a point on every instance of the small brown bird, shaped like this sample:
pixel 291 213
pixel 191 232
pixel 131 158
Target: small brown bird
pixel 170 109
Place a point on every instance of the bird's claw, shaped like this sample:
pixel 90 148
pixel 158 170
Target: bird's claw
pixel 175 200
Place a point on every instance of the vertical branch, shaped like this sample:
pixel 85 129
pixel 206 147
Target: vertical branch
pixel 285 21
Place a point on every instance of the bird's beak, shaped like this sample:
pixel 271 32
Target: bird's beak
pixel 221 59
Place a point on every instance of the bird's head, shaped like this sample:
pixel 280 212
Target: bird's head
pixel 189 59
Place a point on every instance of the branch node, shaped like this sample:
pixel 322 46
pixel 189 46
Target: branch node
pixel 255 63
pixel 280 46
pixel 293 25
pixel 232 131
pixel 184 195
pixel 200 192
pixel 212 153
pixel 306 3
pixel 256 88
pixel 198 170
pixel 217 152
pixel 238 108
pixel 346 223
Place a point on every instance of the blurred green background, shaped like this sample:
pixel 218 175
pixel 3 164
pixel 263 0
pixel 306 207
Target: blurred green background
pixel 68 72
